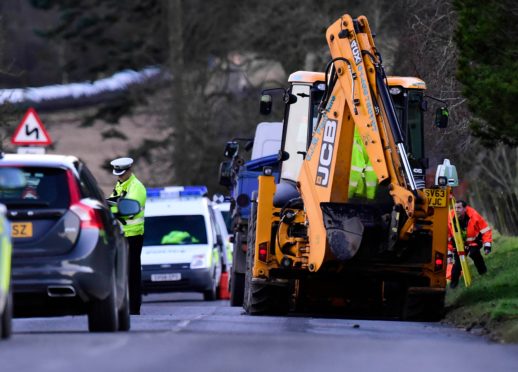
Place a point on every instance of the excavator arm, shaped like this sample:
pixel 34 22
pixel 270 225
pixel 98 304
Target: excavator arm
pixel 357 97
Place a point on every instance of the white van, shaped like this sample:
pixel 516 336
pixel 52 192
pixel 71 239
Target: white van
pixel 182 250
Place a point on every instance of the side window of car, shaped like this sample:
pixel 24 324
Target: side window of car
pixel 85 191
pixel 90 184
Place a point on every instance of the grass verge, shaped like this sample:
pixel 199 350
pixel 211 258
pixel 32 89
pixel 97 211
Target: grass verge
pixel 491 302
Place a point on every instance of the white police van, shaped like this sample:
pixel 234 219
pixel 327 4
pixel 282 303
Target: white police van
pixel 182 249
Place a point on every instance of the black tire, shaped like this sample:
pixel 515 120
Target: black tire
pixel 124 312
pixel 249 256
pixel 423 307
pixel 260 298
pixel 7 318
pixel 211 294
pixel 237 288
pixel 103 314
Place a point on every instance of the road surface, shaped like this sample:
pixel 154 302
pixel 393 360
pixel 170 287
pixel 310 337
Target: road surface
pixel 181 332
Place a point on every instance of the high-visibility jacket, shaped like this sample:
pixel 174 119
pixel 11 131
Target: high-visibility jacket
pixel 6 249
pixel 476 225
pixel 178 237
pixel 132 188
pixel 363 181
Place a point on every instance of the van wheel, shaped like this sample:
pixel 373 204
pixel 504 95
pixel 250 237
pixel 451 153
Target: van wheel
pixel 211 294
pixel 102 315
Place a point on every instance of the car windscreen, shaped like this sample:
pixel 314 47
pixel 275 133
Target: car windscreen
pixel 175 230
pixel 45 188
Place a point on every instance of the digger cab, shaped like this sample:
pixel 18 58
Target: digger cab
pixel 301 100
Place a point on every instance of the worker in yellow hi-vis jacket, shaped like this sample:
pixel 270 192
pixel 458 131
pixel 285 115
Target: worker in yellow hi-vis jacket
pixel 363 181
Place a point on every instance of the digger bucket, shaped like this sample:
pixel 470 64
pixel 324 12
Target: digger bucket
pixel 345 225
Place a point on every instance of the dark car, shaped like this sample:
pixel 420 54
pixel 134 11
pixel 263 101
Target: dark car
pixel 69 251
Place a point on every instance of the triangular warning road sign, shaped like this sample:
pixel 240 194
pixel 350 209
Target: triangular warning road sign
pixel 31 131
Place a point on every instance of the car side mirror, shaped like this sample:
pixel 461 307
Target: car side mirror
pixel 231 149
pixel 265 107
pixel 12 178
pixel 128 207
pixel 441 117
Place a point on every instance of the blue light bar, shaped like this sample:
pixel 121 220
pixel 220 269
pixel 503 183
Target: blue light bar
pixel 176 192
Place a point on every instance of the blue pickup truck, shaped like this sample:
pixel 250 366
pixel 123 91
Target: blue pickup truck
pixel 240 178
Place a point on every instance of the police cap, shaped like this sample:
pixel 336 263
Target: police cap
pixel 121 165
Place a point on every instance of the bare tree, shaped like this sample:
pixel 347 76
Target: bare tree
pixel 494 186
pixel 428 51
pixel 5 127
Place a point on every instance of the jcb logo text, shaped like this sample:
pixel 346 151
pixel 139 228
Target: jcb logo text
pixel 326 153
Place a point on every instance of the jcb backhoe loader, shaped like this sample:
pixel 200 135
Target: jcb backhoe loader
pixel 312 241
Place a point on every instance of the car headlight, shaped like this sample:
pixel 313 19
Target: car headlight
pixel 198 262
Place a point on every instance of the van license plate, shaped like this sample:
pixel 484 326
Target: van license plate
pixel 166 277
pixel 21 229
pixel 436 198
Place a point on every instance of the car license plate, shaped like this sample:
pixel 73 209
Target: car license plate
pixel 436 197
pixel 166 277
pixel 21 229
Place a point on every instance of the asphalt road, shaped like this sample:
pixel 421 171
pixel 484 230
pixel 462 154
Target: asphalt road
pixel 180 332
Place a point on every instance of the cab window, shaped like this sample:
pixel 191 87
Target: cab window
pixel 296 133
pixel 407 104
pixel 415 125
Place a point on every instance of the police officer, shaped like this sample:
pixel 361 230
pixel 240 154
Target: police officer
pixel 128 186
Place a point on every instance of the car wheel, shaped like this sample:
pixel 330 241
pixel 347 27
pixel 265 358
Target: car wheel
pixel 211 294
pixel 102 316
pixel 7 316
pixel 124 312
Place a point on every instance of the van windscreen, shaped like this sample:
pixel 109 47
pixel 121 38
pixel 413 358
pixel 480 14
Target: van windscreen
pixel 175 230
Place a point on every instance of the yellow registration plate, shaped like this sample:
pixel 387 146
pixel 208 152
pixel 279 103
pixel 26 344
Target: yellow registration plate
pixel 436 198
pixel 21 229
